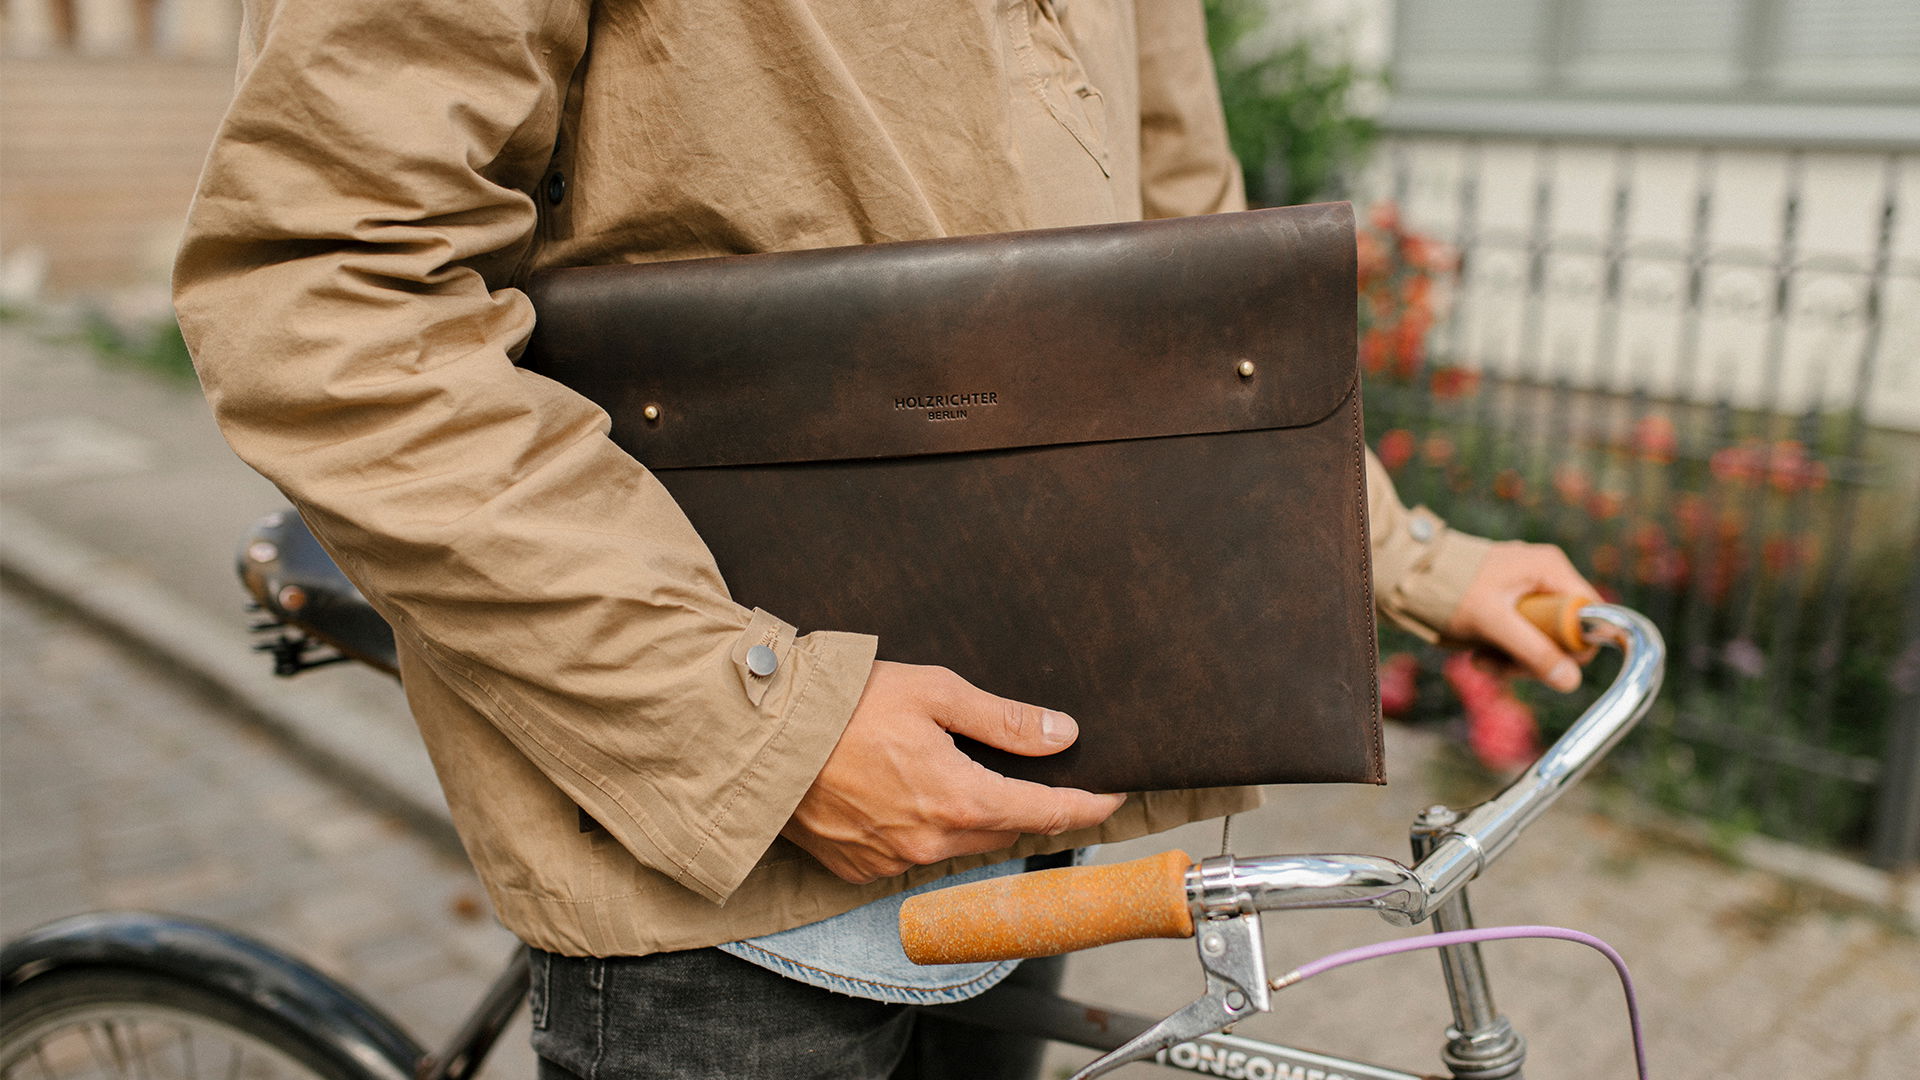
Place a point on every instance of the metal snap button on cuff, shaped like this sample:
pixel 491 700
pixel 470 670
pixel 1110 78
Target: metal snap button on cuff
pixel 762 661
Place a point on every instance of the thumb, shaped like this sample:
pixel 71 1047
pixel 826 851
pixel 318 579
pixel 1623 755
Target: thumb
pixel 1013 726
pixel 1535 651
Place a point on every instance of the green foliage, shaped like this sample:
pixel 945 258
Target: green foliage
pixel 156 347
pixel 1289 112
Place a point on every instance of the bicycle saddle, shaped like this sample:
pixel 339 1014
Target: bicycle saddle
pixel 295 581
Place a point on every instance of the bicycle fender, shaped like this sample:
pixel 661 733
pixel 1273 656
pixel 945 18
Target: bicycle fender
pixel 225 963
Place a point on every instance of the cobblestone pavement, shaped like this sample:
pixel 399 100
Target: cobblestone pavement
pixel 119 789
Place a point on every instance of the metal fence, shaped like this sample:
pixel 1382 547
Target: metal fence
pixel 1693 359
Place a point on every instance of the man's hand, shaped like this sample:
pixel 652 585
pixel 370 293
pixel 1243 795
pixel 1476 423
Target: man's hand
pixel 1487 613
pixel 896 792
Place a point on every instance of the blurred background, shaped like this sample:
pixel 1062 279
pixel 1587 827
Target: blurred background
pixel 1639 277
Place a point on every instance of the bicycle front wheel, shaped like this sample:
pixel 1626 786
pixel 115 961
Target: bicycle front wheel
pixel 107 1023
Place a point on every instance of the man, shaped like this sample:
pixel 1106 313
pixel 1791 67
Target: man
pixel 388 174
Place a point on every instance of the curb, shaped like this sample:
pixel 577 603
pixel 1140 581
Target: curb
pixel 365 753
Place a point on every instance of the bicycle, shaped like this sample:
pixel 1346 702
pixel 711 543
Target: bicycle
pixel 135 994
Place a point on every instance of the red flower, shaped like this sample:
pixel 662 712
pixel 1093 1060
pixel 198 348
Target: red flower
pixel 1790 469
pixel 1502 733
pixel 1572 483
pixel 1690 511
pixel 1396 448
pixel 1438 449
pixel 1454 382
pixel 1736 464
pixel 1606 560
pixel 1375 351
pixel 1475 685
pixel 1373 262
pixel 1397 689
pixel 1508 485
pixel 1409 345
pixel 1654 439
pixel 1604 505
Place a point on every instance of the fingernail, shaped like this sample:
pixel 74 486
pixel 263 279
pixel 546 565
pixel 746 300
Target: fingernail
pixel 1565 676
pixel 1057 728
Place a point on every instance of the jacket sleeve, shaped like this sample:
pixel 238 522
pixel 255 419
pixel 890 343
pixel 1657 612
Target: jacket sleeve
pixel 1420 567
pixel 1186 166
pixel 343 287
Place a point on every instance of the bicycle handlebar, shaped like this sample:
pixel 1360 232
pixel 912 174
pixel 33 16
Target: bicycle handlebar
pixel 1048 912
pixel 1056 911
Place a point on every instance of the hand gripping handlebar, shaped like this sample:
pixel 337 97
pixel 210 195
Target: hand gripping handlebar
pixel 1055 911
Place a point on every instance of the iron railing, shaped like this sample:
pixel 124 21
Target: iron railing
pixel 1695 362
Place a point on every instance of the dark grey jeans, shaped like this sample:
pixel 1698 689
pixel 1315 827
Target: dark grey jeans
pixel 705 1015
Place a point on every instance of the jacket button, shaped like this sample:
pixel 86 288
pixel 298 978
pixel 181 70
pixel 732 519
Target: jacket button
pixel 556 188
pixel 1420 529
pixel 762 661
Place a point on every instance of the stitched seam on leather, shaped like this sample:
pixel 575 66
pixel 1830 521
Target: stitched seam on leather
pixel 1376 747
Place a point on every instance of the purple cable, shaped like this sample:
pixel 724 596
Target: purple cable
pixel 1470 937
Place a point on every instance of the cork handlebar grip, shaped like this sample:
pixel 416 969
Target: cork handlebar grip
pixel 1558 616
pixel 1048 912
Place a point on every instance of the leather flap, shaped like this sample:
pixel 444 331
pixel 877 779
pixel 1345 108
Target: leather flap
pixel 1090 334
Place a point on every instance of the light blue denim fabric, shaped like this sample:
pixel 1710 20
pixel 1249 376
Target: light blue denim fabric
pixel 859 952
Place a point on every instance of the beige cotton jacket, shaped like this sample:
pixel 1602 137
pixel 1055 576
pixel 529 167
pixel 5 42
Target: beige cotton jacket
pixel 391 170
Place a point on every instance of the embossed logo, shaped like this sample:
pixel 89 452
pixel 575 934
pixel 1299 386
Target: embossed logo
pixel 946 406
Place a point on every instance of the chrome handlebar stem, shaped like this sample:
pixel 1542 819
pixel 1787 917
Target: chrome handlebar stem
pixel 1224 886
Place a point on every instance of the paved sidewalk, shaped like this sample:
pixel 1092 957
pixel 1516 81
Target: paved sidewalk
pixel 120 788
pixel 128 505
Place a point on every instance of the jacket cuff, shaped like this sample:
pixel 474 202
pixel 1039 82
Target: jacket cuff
pixel 1433 565
pixel 832 673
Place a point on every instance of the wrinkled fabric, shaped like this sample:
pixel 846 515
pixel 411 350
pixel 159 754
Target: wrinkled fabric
pixel 388 175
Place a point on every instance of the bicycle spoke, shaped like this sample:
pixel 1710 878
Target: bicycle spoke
pixel 39 1054
pixel 187 1061
pixel 107 1061
pixel 136 1052
pixel 147 1039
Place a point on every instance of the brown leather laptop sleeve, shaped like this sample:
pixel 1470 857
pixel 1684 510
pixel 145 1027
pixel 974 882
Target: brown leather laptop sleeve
pixel 1114 470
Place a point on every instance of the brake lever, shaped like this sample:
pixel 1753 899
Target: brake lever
pixel 1236 966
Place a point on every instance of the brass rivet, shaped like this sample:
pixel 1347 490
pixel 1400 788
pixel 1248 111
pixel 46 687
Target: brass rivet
pixel 291 598
pixel 1246 369
pixel 651 412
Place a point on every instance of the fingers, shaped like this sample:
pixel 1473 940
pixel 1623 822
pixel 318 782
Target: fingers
pixel 1021 806
pixel 1488 612
pixel 896 792
pixel 1014 726
pixel 1533 650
